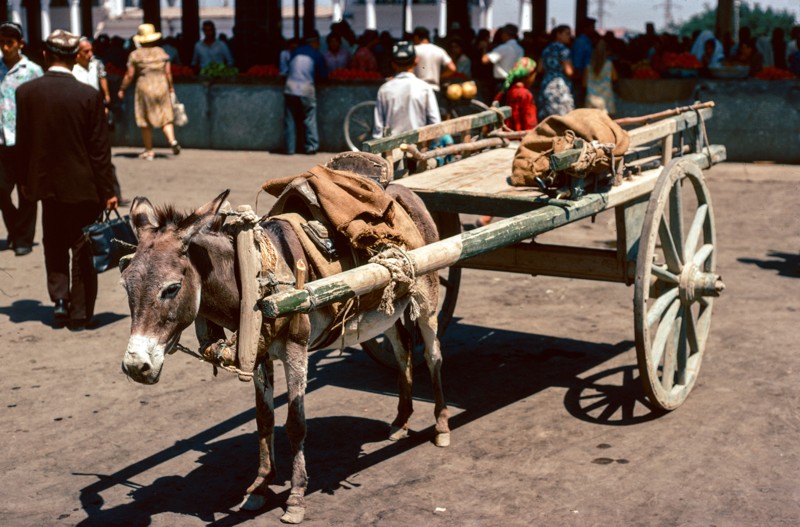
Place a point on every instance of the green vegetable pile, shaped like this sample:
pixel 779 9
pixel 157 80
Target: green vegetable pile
pixel 217 70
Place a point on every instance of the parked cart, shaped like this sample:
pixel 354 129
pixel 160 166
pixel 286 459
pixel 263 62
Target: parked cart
pixel 666 240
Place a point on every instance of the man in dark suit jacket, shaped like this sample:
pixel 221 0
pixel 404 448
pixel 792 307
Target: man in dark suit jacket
pixel 65 154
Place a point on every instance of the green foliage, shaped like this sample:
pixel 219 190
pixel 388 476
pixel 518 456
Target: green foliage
pixel 217 70
pixel 760 20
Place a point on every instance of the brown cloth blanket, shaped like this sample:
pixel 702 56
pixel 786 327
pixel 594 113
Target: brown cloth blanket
pixel 532 157
pixel 358 208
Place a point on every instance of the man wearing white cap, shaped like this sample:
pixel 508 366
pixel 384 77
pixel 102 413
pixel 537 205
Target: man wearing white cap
pixel 65 150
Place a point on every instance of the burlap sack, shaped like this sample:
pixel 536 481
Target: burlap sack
pixel 533 155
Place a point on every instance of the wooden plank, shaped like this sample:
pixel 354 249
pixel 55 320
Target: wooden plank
pixel 433 131
pixel 556 260
pixel 660 129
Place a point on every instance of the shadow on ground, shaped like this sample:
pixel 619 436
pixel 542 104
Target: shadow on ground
pixel 485 370
pixel 786 264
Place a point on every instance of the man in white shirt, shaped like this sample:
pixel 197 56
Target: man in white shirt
pixel 433 63
pixel 404 102
pixel 504 56
pixel 306 66
pixel 90 70
pixel 210 50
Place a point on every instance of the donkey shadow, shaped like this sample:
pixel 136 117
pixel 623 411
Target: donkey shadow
pixel 485 370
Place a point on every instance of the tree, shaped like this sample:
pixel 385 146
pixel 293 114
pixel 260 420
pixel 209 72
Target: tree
pixel 761 21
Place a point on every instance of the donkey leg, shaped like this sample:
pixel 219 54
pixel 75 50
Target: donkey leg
pixel 296 367
pixel 264 382
pixel 398 338
pixel 428 324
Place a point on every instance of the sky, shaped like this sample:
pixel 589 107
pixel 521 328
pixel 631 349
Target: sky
pixel 629 14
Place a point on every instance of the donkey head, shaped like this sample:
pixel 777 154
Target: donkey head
pixel 163 285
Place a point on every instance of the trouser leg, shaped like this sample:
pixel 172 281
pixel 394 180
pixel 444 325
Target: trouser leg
pixel 310 125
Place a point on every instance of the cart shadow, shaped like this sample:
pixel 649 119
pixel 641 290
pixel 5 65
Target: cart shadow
pixel 787 264
pixel 485 370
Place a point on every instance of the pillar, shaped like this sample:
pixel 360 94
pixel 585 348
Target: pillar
pixel 151 10
pixel 486 19
pixel 458 13
pixel 338 13
pixel 34 22
pixel 442 18
pixel 45 14
pixel 4 11
pixel 525 16
pixel 724 18
pixel 16 12
pixel 539 19
pixel 309 17
pixel 408 18
pixel 75 18
pixel 190 21
pixel 581 12
pixel 115 7
pixel 85 14
pixel 369 13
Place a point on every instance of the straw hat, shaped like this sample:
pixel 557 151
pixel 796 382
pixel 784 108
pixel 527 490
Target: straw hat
pixel 147 33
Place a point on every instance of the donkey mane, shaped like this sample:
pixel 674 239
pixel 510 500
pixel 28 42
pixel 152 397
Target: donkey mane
pixel 167 217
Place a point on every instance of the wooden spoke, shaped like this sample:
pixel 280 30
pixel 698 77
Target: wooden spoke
pixel 676 218
pixel 702 255
pixel 691 333
pixel 660 306
pixel 674 263
pixel 682 350
pixel 663 274
pixel 670 356
pixel 694 231
pixel 663 333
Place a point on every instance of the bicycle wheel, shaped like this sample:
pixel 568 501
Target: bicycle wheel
pixel 358 124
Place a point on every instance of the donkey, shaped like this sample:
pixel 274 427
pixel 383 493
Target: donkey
pixel 184 271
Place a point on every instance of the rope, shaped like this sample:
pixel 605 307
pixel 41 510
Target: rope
pixel 401 269
pixel 226 367
pixel 501 117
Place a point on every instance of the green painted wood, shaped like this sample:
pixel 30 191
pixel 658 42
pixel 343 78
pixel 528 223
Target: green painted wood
pixel 459 124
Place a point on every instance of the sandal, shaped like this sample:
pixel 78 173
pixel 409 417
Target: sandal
pixel 176 148
pixel 147 155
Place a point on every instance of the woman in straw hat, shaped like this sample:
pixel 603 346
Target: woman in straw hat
pixel 150 66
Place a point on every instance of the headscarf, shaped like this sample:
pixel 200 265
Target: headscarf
pixel 699 47
pixel 522 68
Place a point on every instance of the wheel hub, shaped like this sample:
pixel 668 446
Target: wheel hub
pixel 695 283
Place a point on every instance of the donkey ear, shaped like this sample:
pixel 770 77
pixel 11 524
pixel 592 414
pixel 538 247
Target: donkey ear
pixel 202 217
pixel 143 215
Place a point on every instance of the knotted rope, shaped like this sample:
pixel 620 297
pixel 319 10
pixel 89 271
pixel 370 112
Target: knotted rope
pixel 401 268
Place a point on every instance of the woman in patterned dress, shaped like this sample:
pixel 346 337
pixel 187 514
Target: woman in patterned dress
pixel 555 95
pixel 150 66
pixel 598 79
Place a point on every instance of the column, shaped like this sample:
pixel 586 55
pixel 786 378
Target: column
pixel 458 14
pixel 190 21
pixel 408 27
pixel 16 12
pixel 581 12
pixel 525 16
pixel 85 13
pixel 45 17
pixel 338 13
pixel 486 19
pixel 4 11
pixel 369 13
pixel 115 7
pixel 442 18
pixel 540 17
pixel 151 10
pixel 309 17
pixel 75 18
pixel 724 18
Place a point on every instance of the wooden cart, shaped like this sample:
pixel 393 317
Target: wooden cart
pixel 666 240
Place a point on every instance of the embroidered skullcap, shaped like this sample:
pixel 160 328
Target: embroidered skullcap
pixel 11 29
pixel 403 52
pixel 62 42
pixel 522 68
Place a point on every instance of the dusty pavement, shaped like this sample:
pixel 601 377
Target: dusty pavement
pixel 549 427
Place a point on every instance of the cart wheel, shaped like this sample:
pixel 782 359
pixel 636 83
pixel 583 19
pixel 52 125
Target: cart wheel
pixel 379 348
pixel 675 284
pixel 358 124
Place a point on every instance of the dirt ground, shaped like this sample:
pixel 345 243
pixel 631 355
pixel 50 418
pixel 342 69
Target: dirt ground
pixel 549 423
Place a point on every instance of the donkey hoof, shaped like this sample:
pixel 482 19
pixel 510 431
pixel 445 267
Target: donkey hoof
pixel 396 434
pixel 252 502
pixel 294 514
pixel 442 440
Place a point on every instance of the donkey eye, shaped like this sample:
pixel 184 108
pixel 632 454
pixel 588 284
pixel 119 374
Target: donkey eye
pixel 171 291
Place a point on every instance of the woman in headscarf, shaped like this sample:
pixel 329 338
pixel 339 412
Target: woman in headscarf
pixel 516 93
pixel 710 57
pixel 555 97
